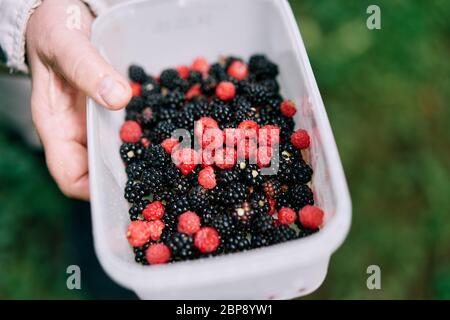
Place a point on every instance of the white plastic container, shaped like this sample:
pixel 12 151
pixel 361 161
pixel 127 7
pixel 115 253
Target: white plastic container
pixel 162 33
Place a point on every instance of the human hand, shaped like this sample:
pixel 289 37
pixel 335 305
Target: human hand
pixel 66 68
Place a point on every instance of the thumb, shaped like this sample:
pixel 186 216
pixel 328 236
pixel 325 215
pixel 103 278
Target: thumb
pixel 82 66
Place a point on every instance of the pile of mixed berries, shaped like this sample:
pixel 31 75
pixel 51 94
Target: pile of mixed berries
pixel 187 203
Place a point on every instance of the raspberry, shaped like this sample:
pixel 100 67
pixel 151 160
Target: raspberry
pixel 264 156
pixel 225 158
pixel 286 216
pixel 207 178
pixel 272 204
pixel 269 135
pixel 201 65
pixel 247 149
pixel 194 91
pixel 311 216
pixel 136 89
pixel 300 139
pixel 207 240
pixel 169 144
pixel 203 124
pixel 288 108
pixel 183 71
pixel 156 228
pixel 207 158
pixel 185 159
pixel 238 70
pixel 146 142
pixel 154 211
pixel 212 137
pixel 231 136
pixel 188 222
pixel 225 90
pixel 138 233
pixel 249 128
pixel 130 132
pixel 158 254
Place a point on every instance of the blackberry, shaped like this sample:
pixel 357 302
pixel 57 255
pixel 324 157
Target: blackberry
pixel 304 232
pixel 283 201
pixel 300 195
pixel 157 157
pixel 147 116
pixel 263 223
pixel 173 100
pixel 232 194
pixel 181 246
pixel 154 180
pixel 283 233
pixel 243 213
pixel 286 126
pixel 137 74
pixel 137 208
pixel 162 131
pixel 200 108
pixel 153 100
pixel 260 203
pixel 150 87
pixel 185 119
pixel 194 77
pixel 170 79
pixel 134 108
pixel 171 222
pixel 262 67
pixel 301 172
pixel 264 116
pixel 166 234
pixel 178 205
pixel 166 114
pixel 272 188
pixel 209 86
pixel 236 242
pixel 285 172
pixel 135 191
pixel 273 104
pixel 217 71
pixel 243 109
pixel 209 213
pixel 182 185
pixel 130 152
pixel 198 198
pixel 258 94
pixel 224 224
pixel 271 85
pixel 227 177
pixel 164 196
pixel 252 175
pixel 289 152
pixel 259 240
pixel 139 253
pixel 136 169
pixel 221 112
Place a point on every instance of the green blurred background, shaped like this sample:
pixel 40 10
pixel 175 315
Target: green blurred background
pixel 385 92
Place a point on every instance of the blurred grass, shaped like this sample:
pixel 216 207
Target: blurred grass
pixel 386 93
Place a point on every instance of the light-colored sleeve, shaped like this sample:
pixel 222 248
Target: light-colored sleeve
pixel 14 16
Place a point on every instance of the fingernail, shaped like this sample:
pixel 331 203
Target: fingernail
pixel 112 91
